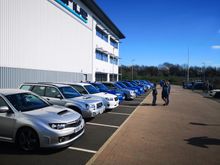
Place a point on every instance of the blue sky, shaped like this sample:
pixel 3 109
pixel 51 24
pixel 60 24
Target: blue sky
pixel 159 31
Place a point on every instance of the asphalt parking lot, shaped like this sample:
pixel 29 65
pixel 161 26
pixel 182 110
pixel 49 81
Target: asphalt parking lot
pixel 98 131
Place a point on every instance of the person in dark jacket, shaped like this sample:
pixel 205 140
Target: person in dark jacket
pixel 154 94
pixel 165 93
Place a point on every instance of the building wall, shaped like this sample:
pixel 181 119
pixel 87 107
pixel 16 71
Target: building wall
pixel 37 34
pixel 41 41
pixel 102 66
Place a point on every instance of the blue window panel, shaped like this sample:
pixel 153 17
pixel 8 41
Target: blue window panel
pixel 101 34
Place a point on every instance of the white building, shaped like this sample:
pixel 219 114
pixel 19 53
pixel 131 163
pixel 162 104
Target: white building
pixel 55 41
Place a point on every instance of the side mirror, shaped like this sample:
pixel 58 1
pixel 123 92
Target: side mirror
pixel 4 109
pixel 59 96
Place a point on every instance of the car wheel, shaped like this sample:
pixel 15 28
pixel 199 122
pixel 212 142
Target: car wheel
pixel 27 139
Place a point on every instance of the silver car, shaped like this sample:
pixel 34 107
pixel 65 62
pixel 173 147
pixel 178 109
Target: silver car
pixel 65 95
pixel 31 122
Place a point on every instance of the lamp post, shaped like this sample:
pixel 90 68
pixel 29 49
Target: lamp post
pixel 187 80
pixel 204 71
pixel 132 69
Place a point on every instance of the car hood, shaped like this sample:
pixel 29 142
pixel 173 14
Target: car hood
pixel 102 94
pixel 87 99
pixel 54 114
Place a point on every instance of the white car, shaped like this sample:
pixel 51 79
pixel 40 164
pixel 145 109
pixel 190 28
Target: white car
pixel 214 93
pixel 110 101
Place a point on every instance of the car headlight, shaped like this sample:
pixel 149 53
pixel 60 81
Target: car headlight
pixel 109 99
pixel 90 106
pixel 57 125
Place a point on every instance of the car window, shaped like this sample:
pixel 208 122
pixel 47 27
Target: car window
pixel 26 102
pixel 2 102
pixel 52 92
pixel 26 87
pixel 91 89
pixel 80 89
pixel 39 90
pixel 69 92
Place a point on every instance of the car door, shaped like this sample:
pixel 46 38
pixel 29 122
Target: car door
pixel 54 96
pixel 7 122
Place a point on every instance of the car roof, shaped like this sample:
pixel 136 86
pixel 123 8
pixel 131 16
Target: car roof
pixel 49 84
pixel 81 84
pixel 6 92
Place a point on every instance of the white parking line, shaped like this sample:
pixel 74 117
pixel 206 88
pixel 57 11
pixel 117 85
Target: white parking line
pixel 82 149
pixel 116 113
pixel 103 125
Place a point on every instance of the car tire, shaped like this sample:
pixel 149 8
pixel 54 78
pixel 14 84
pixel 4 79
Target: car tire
pixel 27 139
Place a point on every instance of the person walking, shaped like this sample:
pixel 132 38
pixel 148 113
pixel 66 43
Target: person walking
pixel 154 94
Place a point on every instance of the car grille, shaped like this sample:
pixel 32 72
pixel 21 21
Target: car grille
pixel 99 105
pixel 73 124
pixel 116 98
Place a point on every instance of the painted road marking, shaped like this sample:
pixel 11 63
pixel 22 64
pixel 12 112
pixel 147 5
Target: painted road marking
pixel 116 113
pixel 103 125
pixel 82 149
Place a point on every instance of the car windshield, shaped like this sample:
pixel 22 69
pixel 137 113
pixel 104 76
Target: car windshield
pixel 26 102
pixel 123 85
pixel 69 92
pixel 102 87
pixel 118 86
pixel 91 89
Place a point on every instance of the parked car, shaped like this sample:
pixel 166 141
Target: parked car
pixel 214 93
pixel 129 94
pixel 32 122
pixel 138 93
pixel 110 101
pixel 103 88
pixel 65 95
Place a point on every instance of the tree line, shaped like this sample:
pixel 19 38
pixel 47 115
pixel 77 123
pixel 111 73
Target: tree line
pixel 174 72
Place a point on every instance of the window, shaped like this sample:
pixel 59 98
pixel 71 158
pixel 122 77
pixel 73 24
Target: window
pixel 101 56
pixel 69 92
pixel 80 89
pixel 113 60
pixel 26 102
pixel 113 43
pixel 101 77
pixel 113 77
pixel 52 92
pixel 39 90
pixel 100 33
pixel 26 87
pixel 2 102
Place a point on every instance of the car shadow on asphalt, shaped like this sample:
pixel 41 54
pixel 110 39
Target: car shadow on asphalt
pixel 11 148
pixel 203 124
pixel 203 141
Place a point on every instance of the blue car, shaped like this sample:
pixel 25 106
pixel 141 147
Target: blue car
pixel 129 84
pixel 138 93
pixel 129 94
pixel 103 88
pixel 142 87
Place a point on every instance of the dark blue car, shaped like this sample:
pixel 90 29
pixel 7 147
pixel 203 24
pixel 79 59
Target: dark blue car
pixel 103 88
pixel 129 84
pixel 138 93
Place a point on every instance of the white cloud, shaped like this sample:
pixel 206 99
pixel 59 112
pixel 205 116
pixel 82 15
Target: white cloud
pixel 216 47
